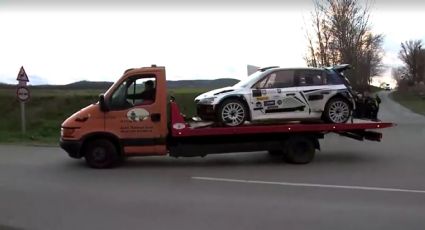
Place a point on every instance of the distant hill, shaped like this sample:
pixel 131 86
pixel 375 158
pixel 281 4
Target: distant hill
pixel 103 85
pixel 89 85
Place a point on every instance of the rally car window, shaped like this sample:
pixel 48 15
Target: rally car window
pixel 284 78
pixel 333 78
pixel 309 78
pixel 278 79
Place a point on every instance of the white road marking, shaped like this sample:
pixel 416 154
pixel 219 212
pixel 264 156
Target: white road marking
pixel 310 185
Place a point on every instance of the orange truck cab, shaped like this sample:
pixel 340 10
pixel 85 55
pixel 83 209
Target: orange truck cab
pixel 125 116
pixel 131 119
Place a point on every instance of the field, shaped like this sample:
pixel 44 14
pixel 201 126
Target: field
pixel 48 108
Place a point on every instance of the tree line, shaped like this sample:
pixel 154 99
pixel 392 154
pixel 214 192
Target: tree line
pixel 413 57
pixel 340 32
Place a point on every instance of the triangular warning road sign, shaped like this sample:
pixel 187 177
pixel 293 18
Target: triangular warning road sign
pixel 22 76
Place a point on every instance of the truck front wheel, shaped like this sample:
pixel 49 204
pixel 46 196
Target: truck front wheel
pixel 101 153
pixel 299 150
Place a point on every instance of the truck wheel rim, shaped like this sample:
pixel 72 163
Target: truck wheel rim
pixel 339 112
pixel 99 154
pixel 233 114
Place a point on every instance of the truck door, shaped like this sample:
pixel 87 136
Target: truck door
pixel 136 113
pixel 276 97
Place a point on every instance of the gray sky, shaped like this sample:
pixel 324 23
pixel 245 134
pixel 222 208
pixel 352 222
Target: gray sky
pixel 59 43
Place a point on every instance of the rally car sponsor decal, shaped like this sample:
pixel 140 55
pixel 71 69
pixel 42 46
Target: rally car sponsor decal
pixel 268 103
pixel 264 98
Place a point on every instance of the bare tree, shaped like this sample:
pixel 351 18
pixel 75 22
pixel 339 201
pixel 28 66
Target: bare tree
pixel 413 56
pixel 341 34
pixel 398 73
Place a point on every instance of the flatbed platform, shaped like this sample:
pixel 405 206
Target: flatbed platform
pixel 180 128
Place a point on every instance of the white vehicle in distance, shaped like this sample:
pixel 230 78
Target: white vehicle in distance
pixel 273 93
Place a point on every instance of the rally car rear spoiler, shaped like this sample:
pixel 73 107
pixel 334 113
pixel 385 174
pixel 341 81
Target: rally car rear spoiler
pixel 341 68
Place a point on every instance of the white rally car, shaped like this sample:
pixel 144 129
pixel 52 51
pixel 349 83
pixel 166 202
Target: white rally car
pixel 281 93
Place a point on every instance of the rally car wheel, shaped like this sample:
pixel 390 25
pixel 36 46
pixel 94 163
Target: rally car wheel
pixel 232 112
pixel 337 111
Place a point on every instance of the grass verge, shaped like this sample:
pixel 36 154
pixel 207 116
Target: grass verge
pixel 410 100
pixel 47 109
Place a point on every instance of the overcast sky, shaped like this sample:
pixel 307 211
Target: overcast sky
pixel 59 43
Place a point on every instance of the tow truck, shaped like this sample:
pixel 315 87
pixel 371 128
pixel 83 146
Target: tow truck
pixel 127 122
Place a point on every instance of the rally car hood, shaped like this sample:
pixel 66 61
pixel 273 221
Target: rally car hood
pixel 217 93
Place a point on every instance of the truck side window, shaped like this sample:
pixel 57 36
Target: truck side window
pixel 142 91
pixel 137 90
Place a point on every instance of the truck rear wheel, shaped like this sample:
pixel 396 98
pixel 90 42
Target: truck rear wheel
pixel 101 153
pixel 299 150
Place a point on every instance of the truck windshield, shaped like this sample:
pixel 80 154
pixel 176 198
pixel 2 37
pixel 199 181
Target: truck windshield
pixel 119 95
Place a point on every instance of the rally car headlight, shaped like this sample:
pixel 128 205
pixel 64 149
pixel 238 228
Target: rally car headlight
pixel 208 100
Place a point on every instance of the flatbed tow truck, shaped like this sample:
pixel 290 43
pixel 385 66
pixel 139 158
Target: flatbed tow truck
pixel 123 125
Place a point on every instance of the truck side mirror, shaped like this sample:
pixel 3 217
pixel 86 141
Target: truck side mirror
pixel 103 105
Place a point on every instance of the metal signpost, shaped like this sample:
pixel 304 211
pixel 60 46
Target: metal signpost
pixel 23 95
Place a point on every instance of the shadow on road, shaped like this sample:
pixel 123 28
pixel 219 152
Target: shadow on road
pixel 4 227
pixel 228 160
pixel 343 158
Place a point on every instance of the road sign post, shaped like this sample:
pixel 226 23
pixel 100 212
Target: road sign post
pixel 23 120
pixel 23 95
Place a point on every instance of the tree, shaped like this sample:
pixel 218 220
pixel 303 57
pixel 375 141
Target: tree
pixel 341 34
pixel 413 56
pixel 398 73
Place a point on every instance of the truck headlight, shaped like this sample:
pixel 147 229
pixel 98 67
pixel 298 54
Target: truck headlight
pixel 207 101
pixel 67 132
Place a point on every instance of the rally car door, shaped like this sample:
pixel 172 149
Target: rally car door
pixel 276 97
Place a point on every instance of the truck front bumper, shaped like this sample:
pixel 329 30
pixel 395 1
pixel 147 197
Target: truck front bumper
pixel 72 147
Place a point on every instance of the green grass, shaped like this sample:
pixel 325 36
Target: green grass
pixel 185 99
pixel 47 109
pixel 410 100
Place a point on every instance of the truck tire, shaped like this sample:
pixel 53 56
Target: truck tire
pixel 232 112
pixel 101 153
pixel 337 111
pixel 299 150
pixel 274 153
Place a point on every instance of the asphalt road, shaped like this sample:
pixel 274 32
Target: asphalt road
pixel 350 185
